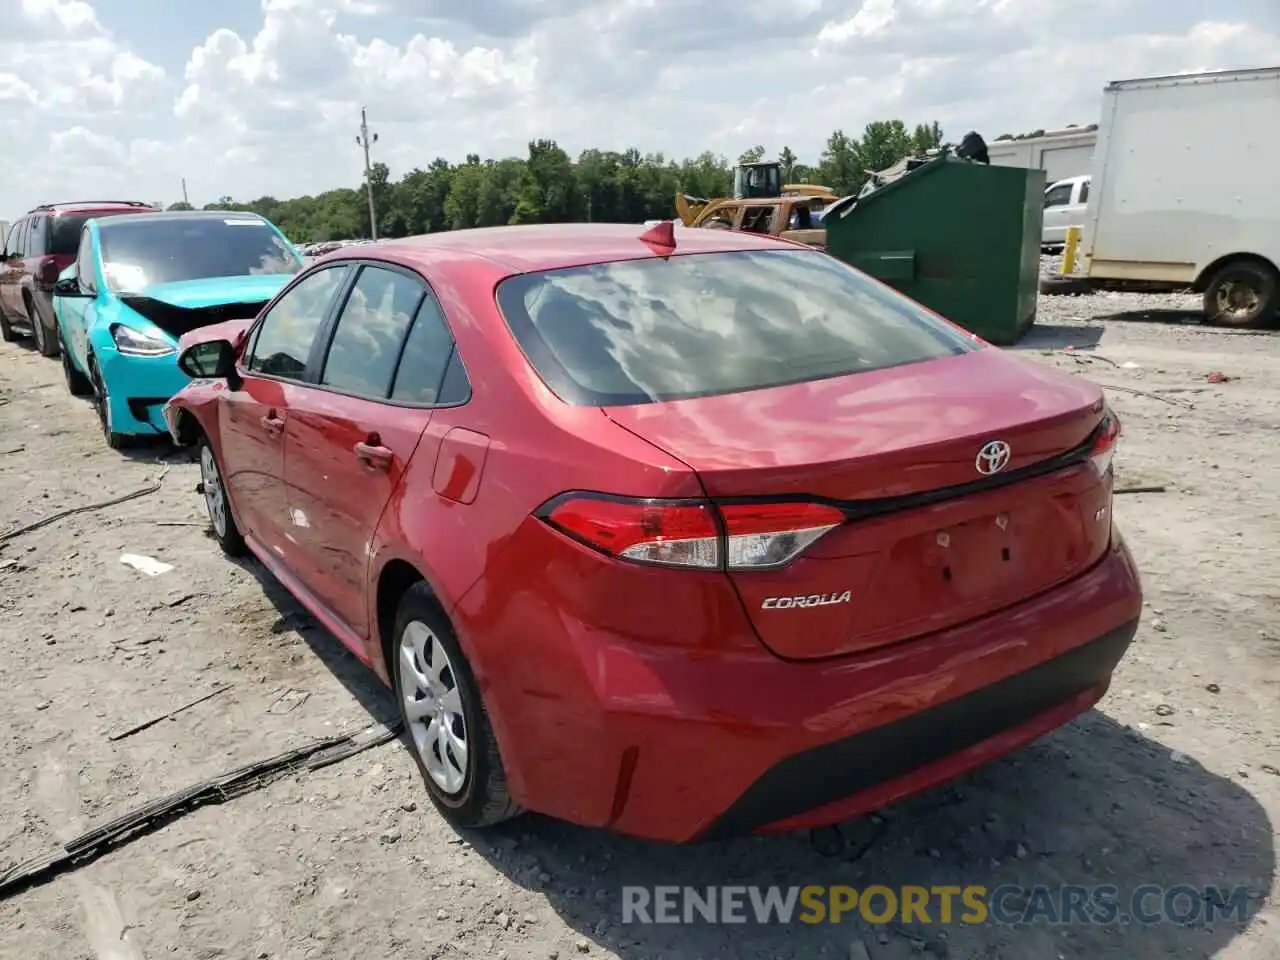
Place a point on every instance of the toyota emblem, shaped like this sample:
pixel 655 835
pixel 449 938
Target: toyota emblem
pixel 993 457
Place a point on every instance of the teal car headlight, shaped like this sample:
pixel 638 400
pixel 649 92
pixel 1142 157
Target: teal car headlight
pixel 134 344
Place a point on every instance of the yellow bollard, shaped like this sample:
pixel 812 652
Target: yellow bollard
pixel 1069 251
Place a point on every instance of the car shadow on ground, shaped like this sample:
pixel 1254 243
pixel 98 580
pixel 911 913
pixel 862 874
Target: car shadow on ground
pixel 158 449
pixel 1183 318
pixel 1050 336
pixel 1095 804
pixel 360 681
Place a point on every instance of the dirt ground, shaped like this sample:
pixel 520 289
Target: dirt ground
pixel 1173 780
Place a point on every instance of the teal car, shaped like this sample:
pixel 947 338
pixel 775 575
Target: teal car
pixel 140 283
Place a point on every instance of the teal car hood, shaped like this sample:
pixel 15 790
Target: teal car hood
pixel 167 311
pixel 214 291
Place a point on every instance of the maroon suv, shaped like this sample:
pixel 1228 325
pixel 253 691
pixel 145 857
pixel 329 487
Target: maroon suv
pixel 40 245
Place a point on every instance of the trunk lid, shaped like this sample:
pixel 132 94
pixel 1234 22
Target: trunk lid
pixel 932 541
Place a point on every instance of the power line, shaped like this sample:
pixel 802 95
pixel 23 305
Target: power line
pixel 364 140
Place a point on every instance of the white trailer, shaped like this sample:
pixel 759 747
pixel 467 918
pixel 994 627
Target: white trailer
pixel 1061 154
pixel 1184 193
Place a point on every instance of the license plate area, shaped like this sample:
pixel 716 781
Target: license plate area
pixel 973 559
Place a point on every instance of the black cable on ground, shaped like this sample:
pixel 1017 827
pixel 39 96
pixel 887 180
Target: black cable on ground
pixel 72 511
pixel 150 817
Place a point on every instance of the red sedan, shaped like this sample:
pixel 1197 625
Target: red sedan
pixel 683 533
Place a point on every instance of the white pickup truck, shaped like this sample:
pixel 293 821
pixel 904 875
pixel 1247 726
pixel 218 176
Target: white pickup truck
pixel 1065 203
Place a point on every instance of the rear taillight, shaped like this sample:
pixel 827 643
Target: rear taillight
pixel 671 533
pixel 770 534
pixel 47 271
pixel 1104 448
pixel 685 533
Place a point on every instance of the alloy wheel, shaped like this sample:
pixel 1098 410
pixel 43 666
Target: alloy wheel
pixel 101 402
pixel 215 499
pixel 433 707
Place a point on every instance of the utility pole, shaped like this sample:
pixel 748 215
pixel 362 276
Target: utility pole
pixel 184 192
pixel 364 141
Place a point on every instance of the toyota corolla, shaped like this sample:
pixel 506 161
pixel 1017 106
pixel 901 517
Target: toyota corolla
pixel 681 533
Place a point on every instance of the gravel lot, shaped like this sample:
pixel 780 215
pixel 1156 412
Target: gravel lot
pixel 1173 780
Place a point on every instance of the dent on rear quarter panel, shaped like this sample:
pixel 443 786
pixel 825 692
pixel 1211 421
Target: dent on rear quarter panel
pixel 460 465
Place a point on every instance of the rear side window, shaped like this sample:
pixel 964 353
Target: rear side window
pixel 370 330
pixel 427 353
pixel 283 341
pixel 38 237
pixel 64 233
pixel 641 331
pixel 18 239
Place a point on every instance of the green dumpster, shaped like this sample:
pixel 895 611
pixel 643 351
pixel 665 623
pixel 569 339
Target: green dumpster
pixel 961 238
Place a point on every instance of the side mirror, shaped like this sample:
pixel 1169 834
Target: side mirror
pixel 211 360
pixel 69 287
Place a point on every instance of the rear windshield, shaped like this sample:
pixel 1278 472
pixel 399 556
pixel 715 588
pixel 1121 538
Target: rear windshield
pixel 642 331
pixel 140 251
pixel 64 233
pixel 64 237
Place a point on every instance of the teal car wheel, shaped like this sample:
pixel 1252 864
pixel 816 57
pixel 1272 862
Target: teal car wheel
pixel 102 404
pixel 78 384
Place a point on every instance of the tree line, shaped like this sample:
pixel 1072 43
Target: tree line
pixel 547 186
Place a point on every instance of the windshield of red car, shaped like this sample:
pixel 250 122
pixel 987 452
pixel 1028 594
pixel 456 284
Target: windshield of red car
pixel 649 330
pixel 140 251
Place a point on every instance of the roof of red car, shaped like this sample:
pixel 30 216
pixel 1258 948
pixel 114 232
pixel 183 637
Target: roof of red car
pixel 522 249
pixel 84 206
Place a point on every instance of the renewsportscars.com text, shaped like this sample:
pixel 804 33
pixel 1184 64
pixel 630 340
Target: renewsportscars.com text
pixel 1005 905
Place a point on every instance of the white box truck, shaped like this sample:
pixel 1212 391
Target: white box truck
pixel 1183 190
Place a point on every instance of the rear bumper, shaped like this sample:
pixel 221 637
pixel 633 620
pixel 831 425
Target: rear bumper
pixel 831 782
pixel 668 745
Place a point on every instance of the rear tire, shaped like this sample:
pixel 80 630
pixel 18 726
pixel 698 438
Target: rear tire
pixel 221 522
pixel 46 341
pixel 1244 294
pixel 444 714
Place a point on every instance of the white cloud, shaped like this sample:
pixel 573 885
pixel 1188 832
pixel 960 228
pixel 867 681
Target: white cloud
pixel 273 107
pixel 51 19
pixel 80 147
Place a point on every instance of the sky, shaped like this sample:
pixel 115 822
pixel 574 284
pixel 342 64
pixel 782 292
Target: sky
pixel 244 98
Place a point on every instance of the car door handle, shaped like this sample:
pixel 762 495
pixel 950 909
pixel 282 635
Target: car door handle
pixel 374 455
pixel 272 423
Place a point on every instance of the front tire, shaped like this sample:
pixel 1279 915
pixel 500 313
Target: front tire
pixel 446 723
pixel 78 384
pixel 221 522
pixel 102 404
pixel 1244 295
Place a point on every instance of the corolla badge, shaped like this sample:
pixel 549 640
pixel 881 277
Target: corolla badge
pixel 812 600
pixel 993 457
